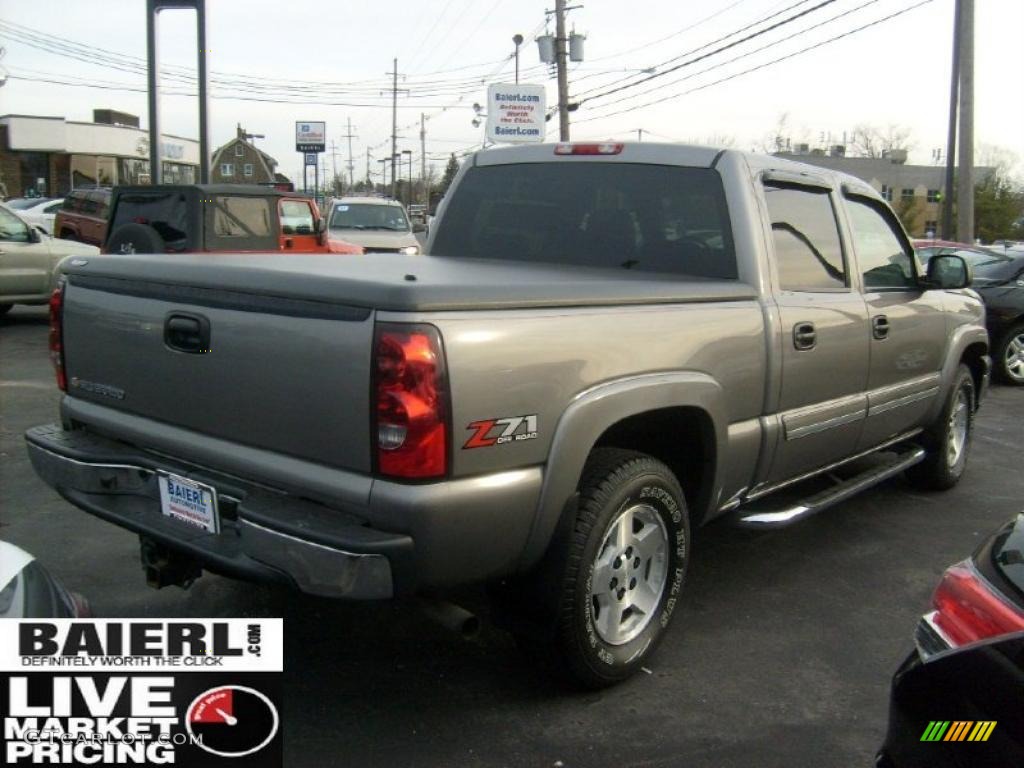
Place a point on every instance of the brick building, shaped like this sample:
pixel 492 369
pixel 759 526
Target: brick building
pixel 240 162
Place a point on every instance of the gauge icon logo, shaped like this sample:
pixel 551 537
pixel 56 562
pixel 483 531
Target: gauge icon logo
pixel 232 721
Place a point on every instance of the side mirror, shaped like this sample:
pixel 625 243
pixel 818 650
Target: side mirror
pixel 34 235
pixel 949 271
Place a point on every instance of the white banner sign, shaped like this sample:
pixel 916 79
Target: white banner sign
pixel 516 113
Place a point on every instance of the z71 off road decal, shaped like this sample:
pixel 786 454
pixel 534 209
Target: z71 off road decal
pixel 510 429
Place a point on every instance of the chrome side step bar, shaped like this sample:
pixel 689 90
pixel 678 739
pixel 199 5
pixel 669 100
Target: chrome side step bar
pixel 780 518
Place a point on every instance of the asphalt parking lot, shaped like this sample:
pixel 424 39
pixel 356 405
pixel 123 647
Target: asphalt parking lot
pixel 781 655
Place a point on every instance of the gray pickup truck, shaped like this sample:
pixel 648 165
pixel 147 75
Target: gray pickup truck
pixel 610 345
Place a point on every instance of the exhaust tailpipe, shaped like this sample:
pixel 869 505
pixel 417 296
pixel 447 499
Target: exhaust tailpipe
pixel 450 616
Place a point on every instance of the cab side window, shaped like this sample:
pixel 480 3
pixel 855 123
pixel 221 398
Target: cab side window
pixel 296 218
pixel 12 229
pixel 885 261
pixel 808 251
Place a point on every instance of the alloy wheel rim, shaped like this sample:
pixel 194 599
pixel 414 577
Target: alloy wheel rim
pixel 958 423
pixel 629 574
pixel 1013 359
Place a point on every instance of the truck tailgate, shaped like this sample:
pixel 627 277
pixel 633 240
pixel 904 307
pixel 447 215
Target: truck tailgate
pixel 284 374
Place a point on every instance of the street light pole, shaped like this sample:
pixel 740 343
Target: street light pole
pixel 408 193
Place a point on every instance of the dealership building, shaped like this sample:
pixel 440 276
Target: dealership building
pixel 52 155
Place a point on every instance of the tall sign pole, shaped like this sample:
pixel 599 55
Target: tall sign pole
pixel 954 97
pixel 965 181
pixel 153 9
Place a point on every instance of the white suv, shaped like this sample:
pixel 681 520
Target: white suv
pixel 377 224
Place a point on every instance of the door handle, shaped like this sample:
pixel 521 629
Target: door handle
pixel 880 327
pixel 187 333
pixel 804 336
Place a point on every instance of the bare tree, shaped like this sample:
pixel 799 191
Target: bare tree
pixel 777 139
pixel 871 141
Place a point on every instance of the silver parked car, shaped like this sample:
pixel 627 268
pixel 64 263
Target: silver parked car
pixel 29 259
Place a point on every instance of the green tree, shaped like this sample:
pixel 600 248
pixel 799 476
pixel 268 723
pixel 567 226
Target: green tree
pixel 446 180
pixel 909 210
pixel 997 207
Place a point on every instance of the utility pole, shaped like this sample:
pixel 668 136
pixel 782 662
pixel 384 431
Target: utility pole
pixel 423 159
pixel 394 122
pixel 965 181
pixel 351 165
pixel 563 75
pixel 334 164
pixel 639 134
pixel 369 181
pixel 954 97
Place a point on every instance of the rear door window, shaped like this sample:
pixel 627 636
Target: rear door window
pixel 655 218
pixel 808 251
pixel 242 223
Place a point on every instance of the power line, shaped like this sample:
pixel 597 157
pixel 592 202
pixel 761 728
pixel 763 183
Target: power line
pixel 746 54
pixel 764 65
pixel 662 73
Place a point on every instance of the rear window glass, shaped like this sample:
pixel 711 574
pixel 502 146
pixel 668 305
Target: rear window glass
pixel 655 218
pixel 167 214
pixel 1008 553
pixel 242 217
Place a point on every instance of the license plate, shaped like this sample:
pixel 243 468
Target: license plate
pixel 190 502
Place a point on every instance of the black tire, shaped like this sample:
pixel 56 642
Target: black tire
pixel 135 238
pixel 616 482
pixel 943 466
pixel 1005 356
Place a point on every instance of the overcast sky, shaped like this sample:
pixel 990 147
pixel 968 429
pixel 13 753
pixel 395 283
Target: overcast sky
pixel 337 53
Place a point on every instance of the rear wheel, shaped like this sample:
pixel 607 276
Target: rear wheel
pixel 624 567
pixel 948 440
pixel 1010 356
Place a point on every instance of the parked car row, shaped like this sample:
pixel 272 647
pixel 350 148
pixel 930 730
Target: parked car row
pixel 29 259
pixel 38 211
pixel 999 279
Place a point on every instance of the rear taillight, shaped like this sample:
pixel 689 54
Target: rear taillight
pixel 968 609
pixel 410 396
pixel 57 335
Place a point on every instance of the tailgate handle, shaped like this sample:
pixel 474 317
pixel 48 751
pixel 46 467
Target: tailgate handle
pixel 186 332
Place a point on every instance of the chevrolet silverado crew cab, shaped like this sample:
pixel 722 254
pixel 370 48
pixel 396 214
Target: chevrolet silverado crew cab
pixel 610 345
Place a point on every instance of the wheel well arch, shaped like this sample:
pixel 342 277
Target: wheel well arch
pixel 682 438
pixel 972 357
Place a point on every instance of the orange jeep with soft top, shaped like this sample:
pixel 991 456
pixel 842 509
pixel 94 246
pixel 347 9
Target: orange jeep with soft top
pixel 192 218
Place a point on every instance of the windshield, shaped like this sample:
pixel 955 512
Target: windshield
pixel 22 203
pixel 657 218
pixel 369 216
